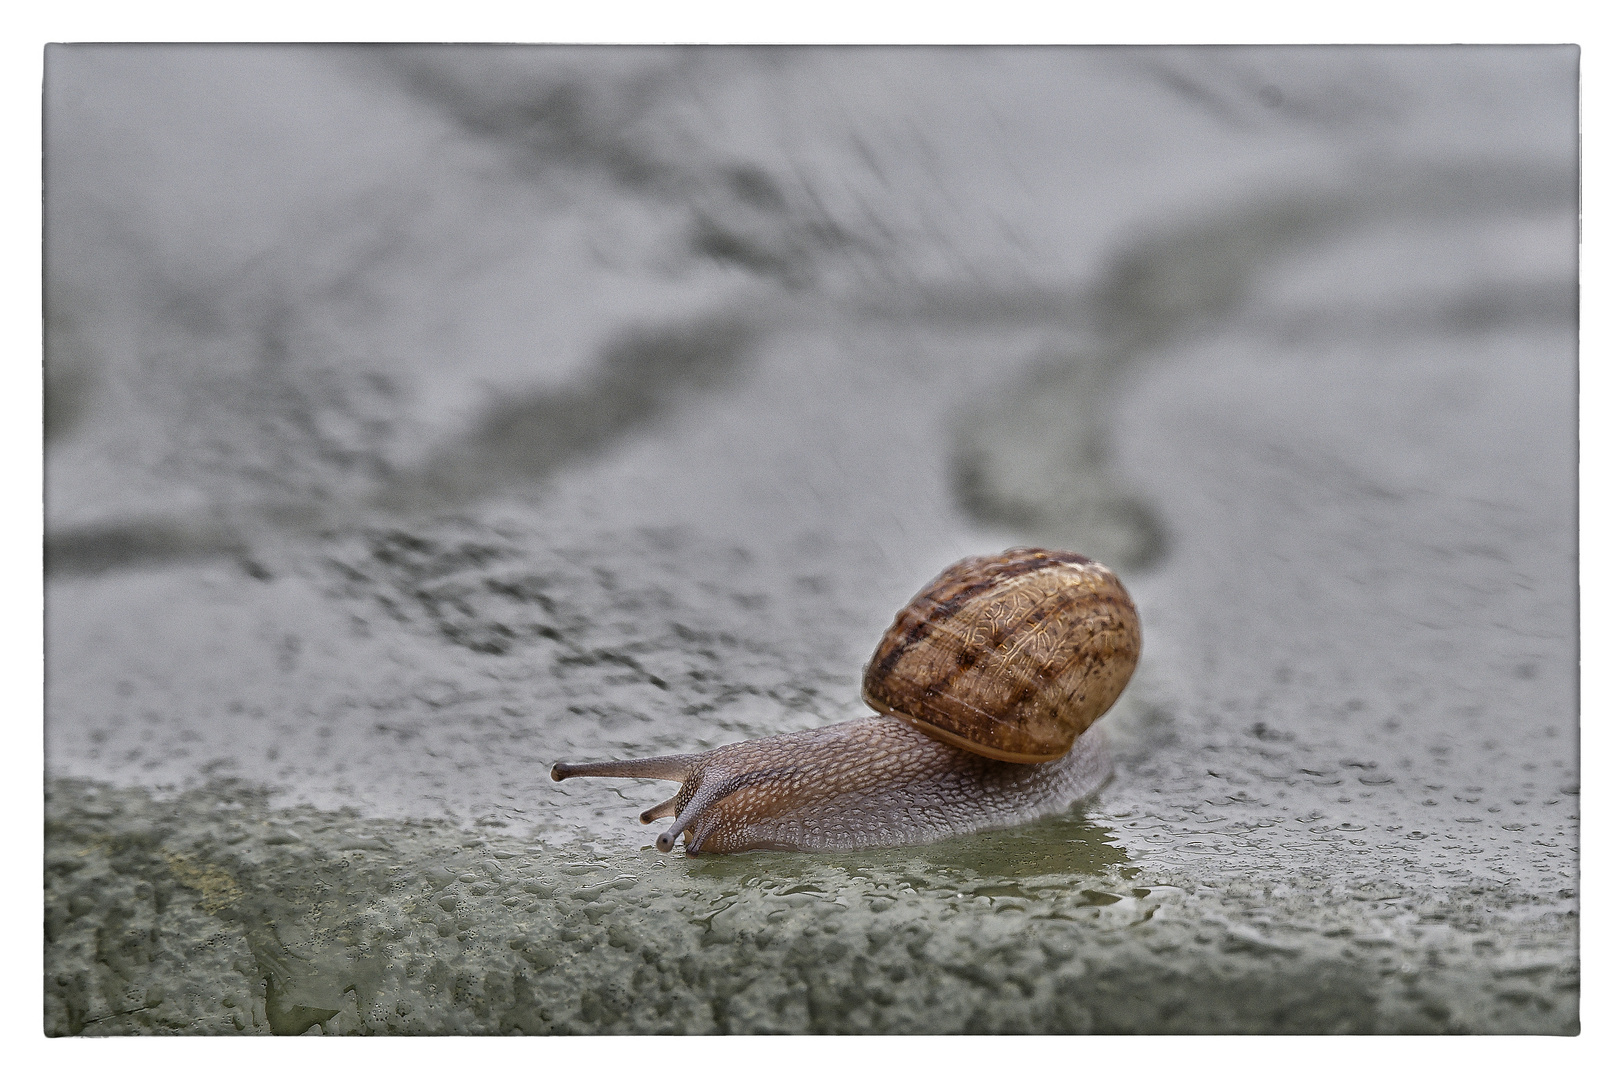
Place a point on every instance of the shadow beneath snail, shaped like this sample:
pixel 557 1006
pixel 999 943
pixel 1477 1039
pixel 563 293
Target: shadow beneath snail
pixel 1066 844
pixel 1063 845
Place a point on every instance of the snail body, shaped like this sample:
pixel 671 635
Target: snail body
pixel 987 683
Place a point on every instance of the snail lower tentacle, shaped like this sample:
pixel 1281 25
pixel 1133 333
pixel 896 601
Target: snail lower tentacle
pixel 874 782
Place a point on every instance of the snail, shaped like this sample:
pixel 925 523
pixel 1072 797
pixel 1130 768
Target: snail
pixel 986 685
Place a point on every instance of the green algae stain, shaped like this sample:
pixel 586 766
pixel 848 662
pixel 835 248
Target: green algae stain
pixel 218 887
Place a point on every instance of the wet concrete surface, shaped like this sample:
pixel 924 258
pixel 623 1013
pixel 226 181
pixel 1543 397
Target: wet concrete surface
pixel 573 404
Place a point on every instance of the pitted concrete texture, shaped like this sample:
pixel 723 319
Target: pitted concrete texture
pixel 176 917
pixel 491 408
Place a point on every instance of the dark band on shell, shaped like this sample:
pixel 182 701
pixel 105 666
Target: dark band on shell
pixel 1009 655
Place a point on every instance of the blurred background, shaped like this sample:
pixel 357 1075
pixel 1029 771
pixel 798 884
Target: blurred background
pixel 417 416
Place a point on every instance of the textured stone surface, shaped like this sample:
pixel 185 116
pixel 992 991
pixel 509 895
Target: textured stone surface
pixel 491 409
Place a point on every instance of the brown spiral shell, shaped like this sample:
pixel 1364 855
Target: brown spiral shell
pixel 1011 656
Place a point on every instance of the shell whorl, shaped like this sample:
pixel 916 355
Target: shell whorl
pixel 1011 656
